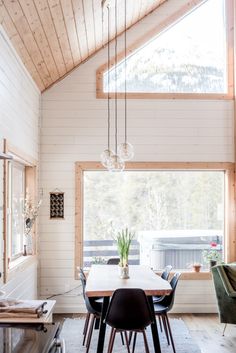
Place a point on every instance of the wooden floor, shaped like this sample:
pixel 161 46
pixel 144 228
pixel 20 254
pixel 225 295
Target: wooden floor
pixel 206 331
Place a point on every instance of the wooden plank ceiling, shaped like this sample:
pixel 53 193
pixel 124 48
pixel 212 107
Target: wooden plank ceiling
pixel 52 37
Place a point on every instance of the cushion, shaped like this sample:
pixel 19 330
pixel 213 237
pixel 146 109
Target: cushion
pixel 230 271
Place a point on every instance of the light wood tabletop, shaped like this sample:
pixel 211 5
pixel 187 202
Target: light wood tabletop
pixel 103 280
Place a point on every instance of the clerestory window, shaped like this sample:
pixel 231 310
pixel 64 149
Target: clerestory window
pixel 192 56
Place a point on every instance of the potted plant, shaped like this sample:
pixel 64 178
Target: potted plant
pixel 212 255
pixel 123 240
pixel 196 266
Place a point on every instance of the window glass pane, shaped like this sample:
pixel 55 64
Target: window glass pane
pixel 17 233
pixel 188 57
pixel 175 214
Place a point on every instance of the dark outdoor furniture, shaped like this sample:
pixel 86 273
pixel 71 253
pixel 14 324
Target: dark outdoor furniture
pixel 113 261
pixel 128 311
pixel 224 277
pixel 164 306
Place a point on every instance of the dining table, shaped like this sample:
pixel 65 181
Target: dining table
pixel 103 280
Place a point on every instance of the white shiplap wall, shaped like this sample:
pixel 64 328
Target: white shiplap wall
pixel 74 129
pixel 19 120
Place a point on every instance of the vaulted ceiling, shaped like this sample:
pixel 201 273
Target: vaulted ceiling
pixel 52 37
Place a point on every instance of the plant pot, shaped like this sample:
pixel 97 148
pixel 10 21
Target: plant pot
pixel 197 268
pixel 123 272
pixel 213 263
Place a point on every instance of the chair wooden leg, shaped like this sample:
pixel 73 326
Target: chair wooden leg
pixel 223 333
pixel 127 341
pixel 130 336
pixel 145 342
pixel 111 343
pixel 85 330
pixel 110 340
pixel 90 334
pixel 134 341
pixel 165 328
pixel 160 322
pixel 171 337
pixel 122 338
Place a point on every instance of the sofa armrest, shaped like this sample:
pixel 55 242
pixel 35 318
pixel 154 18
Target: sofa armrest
pixel 226 283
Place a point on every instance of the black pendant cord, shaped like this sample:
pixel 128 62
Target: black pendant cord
pixel 116 110
pixel 125 40
pixel 108 79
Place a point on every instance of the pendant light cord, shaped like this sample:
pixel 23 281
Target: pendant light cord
pixel 108 78
pixel 125 40
pixel 116 110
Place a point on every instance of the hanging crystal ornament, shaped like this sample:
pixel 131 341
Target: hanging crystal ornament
pixel 125 149
pixel 108 153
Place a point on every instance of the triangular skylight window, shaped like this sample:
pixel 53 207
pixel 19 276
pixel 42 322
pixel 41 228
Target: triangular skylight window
pixel 188 57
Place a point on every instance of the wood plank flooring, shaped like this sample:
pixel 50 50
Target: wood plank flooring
pixel 204 328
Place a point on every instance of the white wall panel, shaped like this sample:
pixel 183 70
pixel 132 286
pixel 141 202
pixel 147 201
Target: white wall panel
pixel 19 121
pixel 74 129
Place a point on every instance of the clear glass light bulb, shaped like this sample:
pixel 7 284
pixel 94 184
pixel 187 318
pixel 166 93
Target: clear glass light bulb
pixel 126 151
pixel 106 158
pixel 117 164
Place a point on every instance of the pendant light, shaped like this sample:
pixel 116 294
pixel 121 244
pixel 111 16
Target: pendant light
pixel 125 149
pixel 118 163
pixel 106 156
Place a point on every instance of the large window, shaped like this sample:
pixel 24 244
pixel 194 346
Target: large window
pixel 189 57
pixel 176 215
pixel 16 195
pixel 20 175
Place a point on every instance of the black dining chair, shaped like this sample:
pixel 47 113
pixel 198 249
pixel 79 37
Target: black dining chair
pixel 165 275
pixel 94 309
pixel 116 261
pixel 113 261
pixel 164 306
pixel 128 311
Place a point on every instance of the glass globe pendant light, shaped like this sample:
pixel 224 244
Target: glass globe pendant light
pixel 106 155
pixel 125 149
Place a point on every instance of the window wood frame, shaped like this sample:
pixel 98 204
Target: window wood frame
pixel 10 268
pixel 229 7
pixel 229 220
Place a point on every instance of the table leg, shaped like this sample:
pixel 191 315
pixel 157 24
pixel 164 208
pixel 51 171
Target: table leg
pixel 155 337
pixel 102 330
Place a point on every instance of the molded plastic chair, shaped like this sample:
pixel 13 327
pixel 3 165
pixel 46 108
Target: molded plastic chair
pixel 128 311
pixel 164 306
pixel 165 275
pixel 94 309
pixel 113 261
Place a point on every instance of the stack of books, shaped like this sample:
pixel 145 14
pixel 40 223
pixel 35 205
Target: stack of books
pixel 22 308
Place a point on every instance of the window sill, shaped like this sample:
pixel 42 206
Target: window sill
pixel 20 265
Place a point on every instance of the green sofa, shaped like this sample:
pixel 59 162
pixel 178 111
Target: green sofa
pixel 224 277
